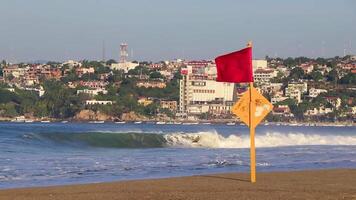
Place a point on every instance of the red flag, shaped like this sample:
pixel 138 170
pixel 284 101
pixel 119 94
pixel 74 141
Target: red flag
pixel 235 67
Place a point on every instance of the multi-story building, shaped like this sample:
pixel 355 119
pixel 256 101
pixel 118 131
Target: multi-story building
pixel 51 73
pixel 14 70
pixel 259 64
pixel 294 94
pixel 271 88
pixel 295 91
pixel 170 105
pixel 262 76
pixel 199 89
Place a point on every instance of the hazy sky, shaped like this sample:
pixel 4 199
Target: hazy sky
pixel 166 29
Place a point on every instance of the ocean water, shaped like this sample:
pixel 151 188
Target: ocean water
pixel 42 154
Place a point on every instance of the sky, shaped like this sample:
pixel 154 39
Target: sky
pixel 155 30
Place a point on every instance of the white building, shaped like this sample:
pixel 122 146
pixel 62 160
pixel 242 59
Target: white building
pixel 318 111
pixel 271 88
pixel 278 98
pixel 264 75
pixel 294 94
pixel 353 110
pixel 10 89
pixel 72 63
pixel 126 66
pixel 259 64
pixel 295 91
pixel 40 91
pixel 198 90
pixel 313 92
pixel 92 92
pixel 96 102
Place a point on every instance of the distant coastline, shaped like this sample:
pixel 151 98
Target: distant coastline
pixel 230 122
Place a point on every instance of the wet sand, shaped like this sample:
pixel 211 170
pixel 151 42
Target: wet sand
pixel 318 184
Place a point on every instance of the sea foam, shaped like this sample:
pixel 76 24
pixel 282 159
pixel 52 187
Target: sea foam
pixel 275 139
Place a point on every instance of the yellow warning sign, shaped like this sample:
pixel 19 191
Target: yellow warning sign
pixel 260 107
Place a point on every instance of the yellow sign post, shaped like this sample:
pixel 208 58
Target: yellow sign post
pixel 252 108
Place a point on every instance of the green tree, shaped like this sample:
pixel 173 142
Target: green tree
pixel 349 78
pixel 296 73
pixel 150 110
pixel 299 110
pixel 156 75
pixel 287 102
pixel 7 97
pixel 110 62
pixel 332 76
pixel 8 110
pixel 316 75
pixel 3 63
pixel 61 102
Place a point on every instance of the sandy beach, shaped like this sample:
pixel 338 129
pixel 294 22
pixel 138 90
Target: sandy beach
pixel 318 184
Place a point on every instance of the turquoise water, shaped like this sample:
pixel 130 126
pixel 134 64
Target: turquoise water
pixel 41 154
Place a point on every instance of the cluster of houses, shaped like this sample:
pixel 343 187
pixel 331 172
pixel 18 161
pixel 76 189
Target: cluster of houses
pixel 199 92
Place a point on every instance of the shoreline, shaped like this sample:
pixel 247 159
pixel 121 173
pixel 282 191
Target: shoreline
pixel 306 184
pixel 230 122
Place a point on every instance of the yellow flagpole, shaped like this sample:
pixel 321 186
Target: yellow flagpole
pixel 252 134
pixel 252 141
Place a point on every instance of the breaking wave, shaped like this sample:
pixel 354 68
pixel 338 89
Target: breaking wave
pixel 214 140
pixel 191 140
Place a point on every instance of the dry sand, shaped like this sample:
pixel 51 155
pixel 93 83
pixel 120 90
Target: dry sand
pixel 319 184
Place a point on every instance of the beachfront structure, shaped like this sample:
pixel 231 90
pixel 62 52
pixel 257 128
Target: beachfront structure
pixel 200 93
pixel 318 111
pixel 170 105
pixel 282 110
